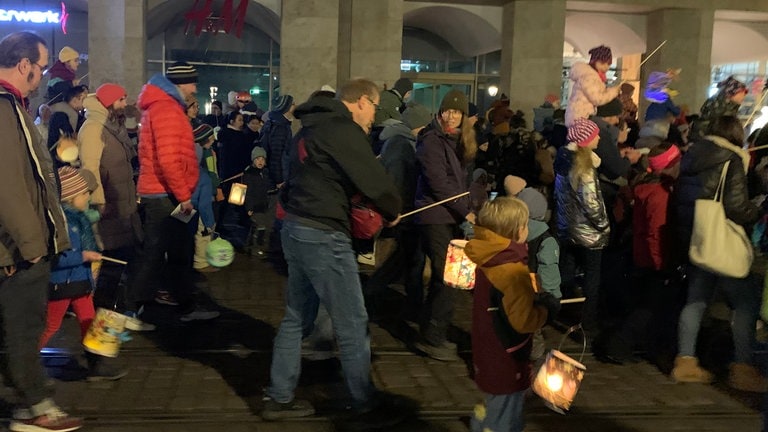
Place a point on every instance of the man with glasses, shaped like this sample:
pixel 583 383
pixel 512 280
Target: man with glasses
pixel 330 161
pixel 33 231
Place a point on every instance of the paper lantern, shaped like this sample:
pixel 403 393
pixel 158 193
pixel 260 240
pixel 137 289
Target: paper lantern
pixel 559 378
pixel 237 194
pixel 220 253
pixel 459 269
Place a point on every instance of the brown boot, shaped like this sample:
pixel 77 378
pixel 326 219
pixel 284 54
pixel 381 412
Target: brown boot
pixel 687 369
pixel 746 377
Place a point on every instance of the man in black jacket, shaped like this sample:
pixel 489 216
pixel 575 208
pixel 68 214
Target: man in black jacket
pixel 330 161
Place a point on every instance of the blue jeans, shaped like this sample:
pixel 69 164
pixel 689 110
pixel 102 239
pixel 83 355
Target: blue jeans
pixel 503 413
pixel 322 268
pixel 743 296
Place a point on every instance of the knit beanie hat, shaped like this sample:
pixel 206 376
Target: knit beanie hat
pixel 612 108
pixel 403 86
pixel 181 73
pixel 202 133
pixel 731 86
pixel 536 202
pixel 582 132
pixel 282 103
pixel 455 99
pixel 72 183
pixel 601 53
pixel 416 116
pixel 513 185
pixel 218 104
pixel 258 152
pixel 109 93
pixel 66 54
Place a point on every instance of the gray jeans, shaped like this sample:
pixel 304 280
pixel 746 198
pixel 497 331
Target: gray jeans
pixel 23 304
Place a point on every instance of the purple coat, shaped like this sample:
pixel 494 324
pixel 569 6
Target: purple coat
pixel 441 175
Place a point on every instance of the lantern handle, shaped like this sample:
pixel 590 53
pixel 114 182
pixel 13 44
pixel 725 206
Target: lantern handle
pixel 570 330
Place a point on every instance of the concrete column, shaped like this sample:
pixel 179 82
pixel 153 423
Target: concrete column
pixel 309 48
pixel 688 33
pixel 370 40
pixel 532 52
pixel 116 44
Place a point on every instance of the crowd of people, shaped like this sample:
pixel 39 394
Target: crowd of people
pixel 579 201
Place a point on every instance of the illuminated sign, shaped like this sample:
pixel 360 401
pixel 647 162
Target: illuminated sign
pixel 36 17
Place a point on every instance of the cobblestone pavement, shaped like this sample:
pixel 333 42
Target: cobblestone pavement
pixel 210 377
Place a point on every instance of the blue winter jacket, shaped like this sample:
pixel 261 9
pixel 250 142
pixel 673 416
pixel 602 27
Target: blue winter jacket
pixel 275 138
pixel 69 265
pixel 202 197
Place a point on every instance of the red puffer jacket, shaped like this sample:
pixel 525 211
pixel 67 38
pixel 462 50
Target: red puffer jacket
pixel 653 236
pixel 166 146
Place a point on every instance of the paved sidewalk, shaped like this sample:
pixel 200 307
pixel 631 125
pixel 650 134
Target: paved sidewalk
pixel 210 377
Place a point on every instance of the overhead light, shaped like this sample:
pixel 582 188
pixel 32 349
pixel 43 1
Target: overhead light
pixel 493 90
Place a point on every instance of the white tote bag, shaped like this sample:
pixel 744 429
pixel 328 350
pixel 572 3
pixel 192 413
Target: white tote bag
pixel 718 244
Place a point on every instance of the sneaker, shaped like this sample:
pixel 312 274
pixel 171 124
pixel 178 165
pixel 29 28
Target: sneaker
pixel 199 314
pixel 165 298
pixel 279 411
pixel 444 352
pixel 53 420
pixel 101 371
pixel 134 323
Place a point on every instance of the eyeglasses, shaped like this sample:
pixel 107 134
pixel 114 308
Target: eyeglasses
pixel 42 67
pixel 375 105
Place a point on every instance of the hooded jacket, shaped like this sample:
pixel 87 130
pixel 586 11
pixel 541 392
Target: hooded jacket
pixel 441 176
pixel 32 221
pixel 398 155
pixel 168 165
pixel 547 256
pixel 582 219
pixel 653 238
pixel 700 170
pixel 588 92
pixel 501 265
pixel 330 161
pixel 106 151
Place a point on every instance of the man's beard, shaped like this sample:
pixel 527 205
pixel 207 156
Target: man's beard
pixel 117 115
pixel 32 87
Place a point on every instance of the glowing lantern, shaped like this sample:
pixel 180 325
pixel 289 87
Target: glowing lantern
pixel 559 378
pixel 220 253
pixel 237 194
pixel 459 269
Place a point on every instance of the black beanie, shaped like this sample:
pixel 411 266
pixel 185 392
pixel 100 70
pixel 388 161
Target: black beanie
pixel 181 73
pixel 403 86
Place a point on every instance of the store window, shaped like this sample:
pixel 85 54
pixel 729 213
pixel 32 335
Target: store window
pixel 224 62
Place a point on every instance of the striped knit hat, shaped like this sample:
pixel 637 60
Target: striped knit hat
pixel 72 183
pixel 582 132
pixel 282 103
pixel 202 133
pixel 181 73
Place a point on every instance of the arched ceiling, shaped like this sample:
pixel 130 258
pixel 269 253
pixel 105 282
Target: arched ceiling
pixel 586 31
pixel 734 42
pixel 171 12
pixel 469 34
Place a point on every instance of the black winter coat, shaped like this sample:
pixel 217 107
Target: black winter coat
pixel 700 170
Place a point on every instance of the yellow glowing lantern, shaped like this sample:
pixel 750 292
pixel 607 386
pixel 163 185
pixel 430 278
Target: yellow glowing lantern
pixel 559 378
pixel 237 194
pixel 459 269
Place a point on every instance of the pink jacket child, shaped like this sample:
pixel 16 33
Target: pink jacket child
pixel 589 90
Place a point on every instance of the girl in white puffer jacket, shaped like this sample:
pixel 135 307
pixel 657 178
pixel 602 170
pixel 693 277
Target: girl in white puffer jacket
pixel 589 90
